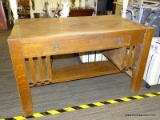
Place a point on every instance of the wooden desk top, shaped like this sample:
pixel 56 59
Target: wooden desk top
pixel 28 29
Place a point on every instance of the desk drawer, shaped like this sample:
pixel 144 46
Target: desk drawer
pixel 74 46
pixel 32 50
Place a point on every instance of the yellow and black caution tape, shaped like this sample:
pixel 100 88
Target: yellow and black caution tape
pixel 84 106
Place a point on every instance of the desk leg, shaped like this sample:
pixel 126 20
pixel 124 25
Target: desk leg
pixel 21 76
pixel 139 66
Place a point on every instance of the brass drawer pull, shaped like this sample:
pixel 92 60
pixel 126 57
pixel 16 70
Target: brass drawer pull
pixel 119 41
pixel 56 47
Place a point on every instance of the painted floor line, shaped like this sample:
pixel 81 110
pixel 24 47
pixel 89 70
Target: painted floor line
pixel 84 106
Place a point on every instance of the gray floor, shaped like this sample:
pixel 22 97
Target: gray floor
pixel 74 93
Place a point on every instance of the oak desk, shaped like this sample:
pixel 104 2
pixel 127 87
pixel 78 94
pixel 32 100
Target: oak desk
pixel 33 41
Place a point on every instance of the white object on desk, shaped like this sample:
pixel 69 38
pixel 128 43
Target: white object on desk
pixel 13 4
pixel 65 10
pixel 125 4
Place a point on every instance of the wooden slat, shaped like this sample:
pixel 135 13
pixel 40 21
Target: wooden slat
pixel 40 67
pixel 135 55
pixel 48 65
pixel 123 54
pixel 83 71
pixel 129 58
pixel 26 61
pixel 32 71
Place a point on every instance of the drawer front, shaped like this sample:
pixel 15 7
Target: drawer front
pixel 32 50
pixel 72 46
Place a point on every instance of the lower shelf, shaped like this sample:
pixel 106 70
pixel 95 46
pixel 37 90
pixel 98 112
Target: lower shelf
pixel 83 71
pixel 86 70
